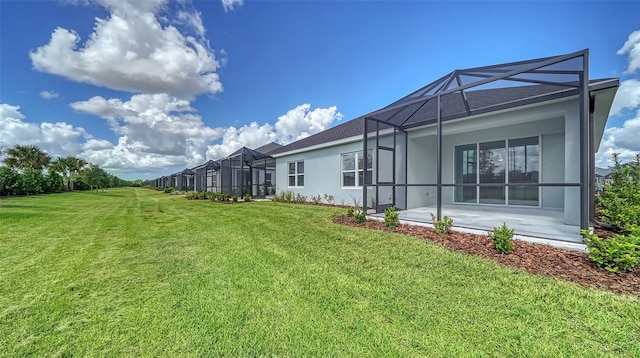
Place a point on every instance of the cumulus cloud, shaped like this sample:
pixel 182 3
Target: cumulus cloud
pixel 49 94
pixel 623 141
pixel 132 51
pixel 301 122
pixel 251 136
pixel 57 139
pixel 632 47
pixel 156 133
pixel 230 5
pixel 627 97
pixel 297 123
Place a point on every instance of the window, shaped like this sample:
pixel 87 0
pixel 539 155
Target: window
pixel 296 174
pixel 512 161
pixel 524 167
pixel 353 169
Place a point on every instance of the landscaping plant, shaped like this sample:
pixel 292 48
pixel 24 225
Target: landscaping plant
pixel 620 198
pixel 247 197
pixel 501 237
pixel 391 217
pixel 620 252
pixel 441 227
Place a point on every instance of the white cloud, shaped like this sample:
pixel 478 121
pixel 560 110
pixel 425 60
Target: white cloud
pixel 230 5
pixel 156 133
pixel 632 47
pixel 49 94
pixel 251 136
pixel 627 97
pixel 620 140
pixel 301 122
pixel 57 139
pixel 132 51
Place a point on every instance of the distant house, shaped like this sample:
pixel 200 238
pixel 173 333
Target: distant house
pixel 514 138
pixel 602 176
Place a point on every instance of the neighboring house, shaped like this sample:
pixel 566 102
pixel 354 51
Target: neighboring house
pixel 245 171
pixel 602 176
pixel 515 135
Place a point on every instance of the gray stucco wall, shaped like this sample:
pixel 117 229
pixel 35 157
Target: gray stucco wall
pixel 555 125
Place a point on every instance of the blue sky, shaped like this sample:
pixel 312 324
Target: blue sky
pixel 146 88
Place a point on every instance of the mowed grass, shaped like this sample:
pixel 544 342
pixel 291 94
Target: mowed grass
pixel 134 272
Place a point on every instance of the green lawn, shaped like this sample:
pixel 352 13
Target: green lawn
pixel 136 272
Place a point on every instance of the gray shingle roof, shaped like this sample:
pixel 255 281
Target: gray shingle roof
pixel 268 148
pixel 481 101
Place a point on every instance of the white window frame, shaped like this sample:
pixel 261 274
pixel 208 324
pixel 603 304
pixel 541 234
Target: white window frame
pixel 356 170
pixel 295 174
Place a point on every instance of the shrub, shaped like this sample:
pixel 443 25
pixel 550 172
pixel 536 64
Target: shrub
pixel 442 227
pixel 501 237
pixel 372 202
pixel 620 198
pixel 329 198
pixel 316 199
pixel 192 195
pixel 169 190
pixel 300 199
pixel 350 212
pixel 235 198
pixel 247 197
pixel 359 214
pixel 391 217
pixel 615 253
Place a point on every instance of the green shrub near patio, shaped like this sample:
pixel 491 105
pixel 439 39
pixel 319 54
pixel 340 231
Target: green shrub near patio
pixel 135 272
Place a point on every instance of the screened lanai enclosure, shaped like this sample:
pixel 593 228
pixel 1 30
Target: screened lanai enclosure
pixel 247 171
pixel 206 176
pixel 517 135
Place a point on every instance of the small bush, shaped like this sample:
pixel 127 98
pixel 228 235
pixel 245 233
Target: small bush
pixel 620 252
pixel 329 198
pixel 247 197
pixel 391 217
pixel 359 214
pixel 192 195
pixel 442 227
pixel 169 190
pixel 300 199
pixel 501 237
pixel 350 212
pixel 620 198
pixel 316 199
pixel 234 198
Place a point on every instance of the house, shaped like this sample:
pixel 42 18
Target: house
pixel 511 139
pixel 602 176
pixel 511 143
pixel 245 171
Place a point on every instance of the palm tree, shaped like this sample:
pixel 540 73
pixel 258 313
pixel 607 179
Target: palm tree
pixel 60 166
pixel 24 157
pixel 75 165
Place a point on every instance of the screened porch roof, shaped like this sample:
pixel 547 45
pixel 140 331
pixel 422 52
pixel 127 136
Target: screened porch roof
pixel 473 91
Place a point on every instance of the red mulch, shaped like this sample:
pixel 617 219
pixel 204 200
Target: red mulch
pixel 565 264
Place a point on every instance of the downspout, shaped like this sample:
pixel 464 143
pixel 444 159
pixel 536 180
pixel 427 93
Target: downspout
pixel 439 161
pixel 592 155
pixel 585 135
pixel 364 150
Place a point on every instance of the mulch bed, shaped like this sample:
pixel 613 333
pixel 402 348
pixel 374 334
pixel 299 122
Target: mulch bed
pixel 565 264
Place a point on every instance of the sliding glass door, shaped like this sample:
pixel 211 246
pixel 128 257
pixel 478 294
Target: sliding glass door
pixel 510 161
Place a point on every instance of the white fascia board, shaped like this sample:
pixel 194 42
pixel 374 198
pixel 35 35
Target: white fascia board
pixel 320 146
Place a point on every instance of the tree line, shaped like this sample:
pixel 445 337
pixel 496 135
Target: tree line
pixel 27 170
